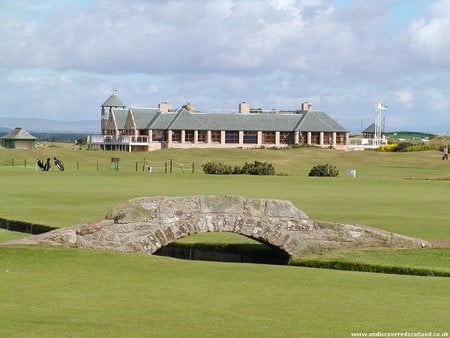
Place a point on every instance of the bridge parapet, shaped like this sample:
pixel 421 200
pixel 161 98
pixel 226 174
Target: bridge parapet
pixel 146 224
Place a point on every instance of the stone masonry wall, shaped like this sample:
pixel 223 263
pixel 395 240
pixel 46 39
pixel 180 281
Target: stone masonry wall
pixel 146 224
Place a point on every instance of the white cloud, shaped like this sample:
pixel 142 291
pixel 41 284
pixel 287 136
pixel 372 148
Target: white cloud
pixel 406 98
pixel 219 53
pixel 438 102
pixel 429 35
pixel 30 79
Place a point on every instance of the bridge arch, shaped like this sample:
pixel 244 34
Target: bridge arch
pixel 226 249
pixel 146 224
pixel 154 222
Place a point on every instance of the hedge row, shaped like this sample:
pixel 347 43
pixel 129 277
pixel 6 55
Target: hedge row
pixel 255 168
pixel 363 267
pixel 410 146
pixel 19 226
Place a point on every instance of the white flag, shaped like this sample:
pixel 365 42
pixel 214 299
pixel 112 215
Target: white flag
pixel 381 106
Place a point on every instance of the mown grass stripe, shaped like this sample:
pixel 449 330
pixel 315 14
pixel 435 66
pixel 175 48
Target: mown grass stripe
pixel 364 267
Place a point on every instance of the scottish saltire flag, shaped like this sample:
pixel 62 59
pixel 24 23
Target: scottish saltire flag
pixel 381 106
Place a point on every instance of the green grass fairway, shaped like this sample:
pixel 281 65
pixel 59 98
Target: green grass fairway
pixel 407 193
pixel 400 261
pixel 6 235
pixel 56 292
pixel 59 292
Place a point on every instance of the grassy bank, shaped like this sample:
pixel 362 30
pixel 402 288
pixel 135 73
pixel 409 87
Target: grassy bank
pixel 85 293
pixel 419 262
pixel 405 193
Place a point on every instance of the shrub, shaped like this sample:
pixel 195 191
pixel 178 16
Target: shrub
pixel 409 146
pixel 217 168
pixel 324 170
pixel 255 168
pixel 388 147
pixel 258 168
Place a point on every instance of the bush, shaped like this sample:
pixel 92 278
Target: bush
pixel 324 170
pixel 388 147
pixel 217 168
pixel 255 168
pixel 410 146
pixel 258 168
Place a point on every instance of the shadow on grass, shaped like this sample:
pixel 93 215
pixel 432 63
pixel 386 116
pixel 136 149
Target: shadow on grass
pixel 363 267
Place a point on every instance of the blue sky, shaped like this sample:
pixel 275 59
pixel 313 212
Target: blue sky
pixel 61 59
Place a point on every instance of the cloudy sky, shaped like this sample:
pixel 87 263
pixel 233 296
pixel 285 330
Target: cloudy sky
pixel 61 59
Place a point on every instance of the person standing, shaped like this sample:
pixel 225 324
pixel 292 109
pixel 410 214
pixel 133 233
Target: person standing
pixel 445 156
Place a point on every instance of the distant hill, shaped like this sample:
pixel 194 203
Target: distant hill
pixel 50 126
pixel 410 134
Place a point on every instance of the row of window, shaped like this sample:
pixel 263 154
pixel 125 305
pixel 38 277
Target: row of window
pixel 249 137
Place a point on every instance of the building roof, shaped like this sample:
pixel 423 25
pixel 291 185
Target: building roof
pixel 182 119
pixel 113 101
pixel 143 117
pixel 319 121
pixel 117 119
pixel 162 121
pixel 371 129
pixel 294 121
pixel 19 134
pixel 249 121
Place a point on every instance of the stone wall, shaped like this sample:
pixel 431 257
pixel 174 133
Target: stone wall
pixel 148 223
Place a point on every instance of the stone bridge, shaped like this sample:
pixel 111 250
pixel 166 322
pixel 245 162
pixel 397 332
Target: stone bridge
pixel 146 224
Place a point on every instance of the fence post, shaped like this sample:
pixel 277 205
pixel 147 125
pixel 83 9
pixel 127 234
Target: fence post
pixel 170 165
pixel 25 163
pixel 136 166
pixel 78 165
pixel 165 167
pixel 97 165
pixel 193 167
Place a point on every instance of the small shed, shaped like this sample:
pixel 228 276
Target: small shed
pixel 18 138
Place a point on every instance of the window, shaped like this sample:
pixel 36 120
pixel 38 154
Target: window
pixel 328 138
pixel 287 137
pixel 302 138
pixel 268 137
pixel 215 136
pixel 176 136
pixel 250 137
pixel 189 136
pixel 158 136
pixel 232 136
pixel 202 136
pixel 340 138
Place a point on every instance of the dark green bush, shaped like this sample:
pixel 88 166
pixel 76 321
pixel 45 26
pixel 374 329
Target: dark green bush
pixel 324 170
pixel 366 267
pixel 258 168
pixel 255 168
pixel 410 146
pixel 217 168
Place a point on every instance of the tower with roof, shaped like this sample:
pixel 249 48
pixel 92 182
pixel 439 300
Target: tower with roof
pixel 111 103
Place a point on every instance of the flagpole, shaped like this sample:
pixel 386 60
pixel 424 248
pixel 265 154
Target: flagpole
pixel 377 135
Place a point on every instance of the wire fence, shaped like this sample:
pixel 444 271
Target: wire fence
pixel 114 164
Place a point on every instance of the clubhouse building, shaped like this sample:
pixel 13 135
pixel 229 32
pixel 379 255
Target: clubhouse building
pixel 145 129
pixel 18 138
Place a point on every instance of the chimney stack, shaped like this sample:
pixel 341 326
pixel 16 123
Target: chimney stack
pixel 189 107
pixel 164 107
pixel 306 106
pixel 244 108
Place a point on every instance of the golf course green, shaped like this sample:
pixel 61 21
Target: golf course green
pixel 49 291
